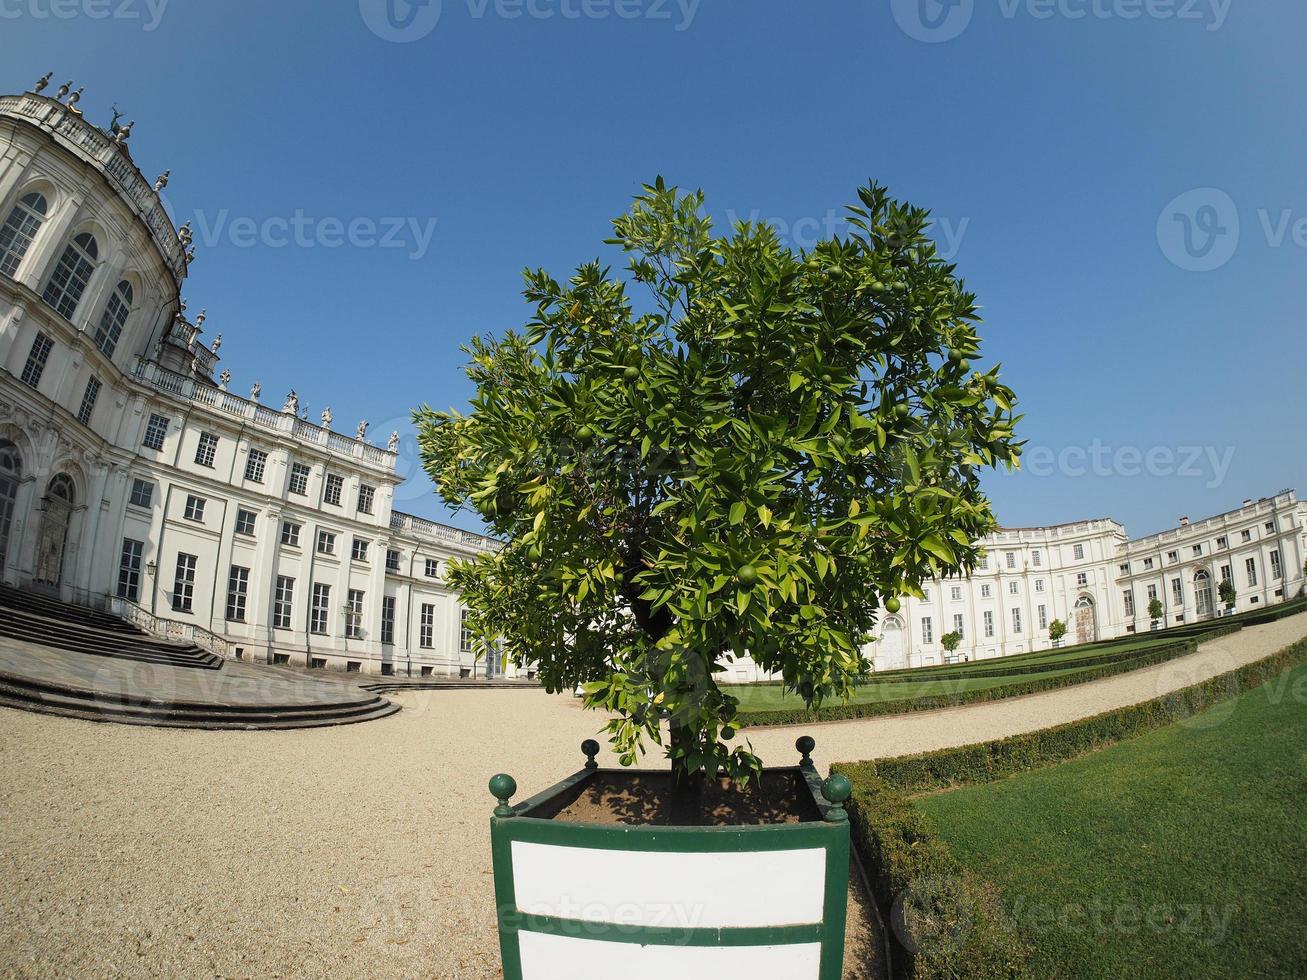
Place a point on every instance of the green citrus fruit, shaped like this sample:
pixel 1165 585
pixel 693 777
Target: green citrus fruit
pixel 747 574
pixel 893 605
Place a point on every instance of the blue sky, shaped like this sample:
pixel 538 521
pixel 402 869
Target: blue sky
pixel 1059 143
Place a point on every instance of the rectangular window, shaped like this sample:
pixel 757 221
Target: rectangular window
pixel 1125 569
pixel 318 615
pixel 464 633
pixel 985 590
pixel 1039 585
pixel 427 626
pixel 1013 588
pixel 1082 579
pixel 956 593
pixel 1245 535
pixel 984 562
pixel 989 623
pixel 354 614
pixel 1198 550
pixel 206 449
pixel 1079 552
pixel 194 508
pixel 1152 593
pixel 36 359
pixel 1276 571
pixel 1226 573
pixel 281 602
pixel 433 567
pixel 1222 542
pixel 245 521
pixel 331 490
pixel 1129 596
pixel 388 619
pixel 155 430
pixel 1148 563
pixel 129 569
pixel 925 595
pixel 392 560
pixel 1250 568
pixel 89 396
pixel 359 550
pixel 957 624
pixel 183 583
pixel 366 495
pixel 299 479
pixel 1011 559
pixel 1016 620
pixel 326 543
pixel 1177 592
pixel 290 534
pixel 142 493
pixel 1043 617
pixel 1036 558
pixel 1270 527
pixel 927 630
pixel 1172 557
pixel 238 589
pixel 255 463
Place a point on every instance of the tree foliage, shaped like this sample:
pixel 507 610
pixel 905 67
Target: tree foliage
pixel 742 458
pixel 951 641
pixel 1056 630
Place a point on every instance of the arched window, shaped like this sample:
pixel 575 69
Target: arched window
pixel 113 318
pixel 64 291
pixel 19 229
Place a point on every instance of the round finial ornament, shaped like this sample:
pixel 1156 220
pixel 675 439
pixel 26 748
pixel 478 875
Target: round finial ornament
pixel 837 789
pixel 591 749
pixel 502 788
pixel 805 744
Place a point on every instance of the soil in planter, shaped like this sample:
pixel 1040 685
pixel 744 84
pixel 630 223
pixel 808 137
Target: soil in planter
pixel 646 798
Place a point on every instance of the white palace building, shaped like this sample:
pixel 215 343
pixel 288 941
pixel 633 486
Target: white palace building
pixel 131 478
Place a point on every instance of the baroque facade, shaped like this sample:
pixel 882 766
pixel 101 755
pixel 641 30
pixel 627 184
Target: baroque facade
pixel 130 477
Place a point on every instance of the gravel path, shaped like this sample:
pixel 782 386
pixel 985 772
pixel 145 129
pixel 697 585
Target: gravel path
pixel 355 851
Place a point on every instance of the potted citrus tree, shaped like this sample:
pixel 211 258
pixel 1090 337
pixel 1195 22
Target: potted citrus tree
pixel 950 642
pixel 1155 613
pixel 742 461
pixel 1056 630
pixel 1228 595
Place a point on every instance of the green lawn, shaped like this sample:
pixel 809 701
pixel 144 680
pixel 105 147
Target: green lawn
pixel 1180 853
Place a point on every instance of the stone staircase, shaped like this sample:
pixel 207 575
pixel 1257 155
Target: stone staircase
pixel 77 662
pixel 30 617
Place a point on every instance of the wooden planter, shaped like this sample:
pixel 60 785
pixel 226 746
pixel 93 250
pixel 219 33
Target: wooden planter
pixel 584 901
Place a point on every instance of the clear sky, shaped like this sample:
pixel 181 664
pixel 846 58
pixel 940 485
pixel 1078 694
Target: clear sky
pixel 1154 335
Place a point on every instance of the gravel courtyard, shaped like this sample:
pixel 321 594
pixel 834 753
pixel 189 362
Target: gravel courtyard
pixel 355 851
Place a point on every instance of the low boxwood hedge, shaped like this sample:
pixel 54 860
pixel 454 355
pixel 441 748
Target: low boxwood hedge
pixel 945 921
pixel 868 709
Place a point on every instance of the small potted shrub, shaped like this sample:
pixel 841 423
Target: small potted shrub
pixel 951 642
pixel 744 463
pixel 1056 630
pixel 1155 613
pixel 1229 595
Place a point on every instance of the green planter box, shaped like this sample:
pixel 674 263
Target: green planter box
pixel 584 901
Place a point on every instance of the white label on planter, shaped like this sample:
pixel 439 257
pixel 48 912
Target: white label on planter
pixel 714 889
pixel 548 957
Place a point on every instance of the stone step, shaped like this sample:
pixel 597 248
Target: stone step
pixel 20 625
pixel 69 702
pixel 67 612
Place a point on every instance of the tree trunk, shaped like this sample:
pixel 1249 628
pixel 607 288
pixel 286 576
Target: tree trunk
pixel 687 787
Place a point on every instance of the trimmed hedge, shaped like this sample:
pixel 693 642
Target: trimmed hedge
pixel 946 921
pixel 929 702
pixel 988 761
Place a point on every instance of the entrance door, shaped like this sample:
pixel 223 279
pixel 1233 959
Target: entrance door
pixel 53 538
pixel 1086 621
pixel 11 470
pixel 889 651
pixel 1203 593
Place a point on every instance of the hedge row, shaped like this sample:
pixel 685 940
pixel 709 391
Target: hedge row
pixel 994 760
pixel 946 921
pixel 929 702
